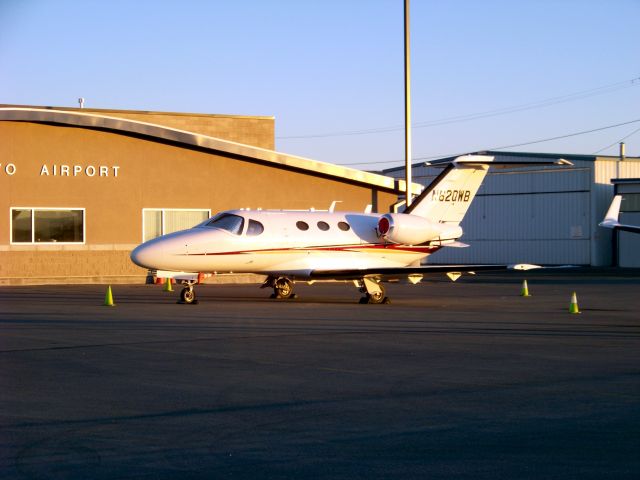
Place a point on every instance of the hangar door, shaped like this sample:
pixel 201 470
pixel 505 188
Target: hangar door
pixel 539 216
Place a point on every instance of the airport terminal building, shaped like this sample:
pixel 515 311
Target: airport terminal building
pixel 80 188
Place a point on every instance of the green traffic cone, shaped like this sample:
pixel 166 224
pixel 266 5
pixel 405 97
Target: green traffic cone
pixel 108 298
pixel 573 306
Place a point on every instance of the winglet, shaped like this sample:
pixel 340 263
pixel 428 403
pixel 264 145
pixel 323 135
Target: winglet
pixel 611 218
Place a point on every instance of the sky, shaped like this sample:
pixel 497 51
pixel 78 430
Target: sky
pixel 485 74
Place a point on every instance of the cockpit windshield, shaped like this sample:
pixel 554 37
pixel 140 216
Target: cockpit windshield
pixel 227 221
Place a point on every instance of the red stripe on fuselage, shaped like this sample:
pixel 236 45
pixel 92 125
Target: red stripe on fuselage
pixel 331 248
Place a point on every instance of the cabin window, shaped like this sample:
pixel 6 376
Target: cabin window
pixel 344 226
pixel 324 226
pixel 227 221
pixel 47 225
pixel 304 226
pixel 254 228
pixel 160 221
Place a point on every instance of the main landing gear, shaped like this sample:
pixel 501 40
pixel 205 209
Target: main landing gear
pixel 282 287
pixel 374 291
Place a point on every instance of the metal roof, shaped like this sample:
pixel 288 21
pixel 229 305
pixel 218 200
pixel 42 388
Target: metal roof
pixel 625 180
pixel 203 142
pixel 496 153
pixel 107 111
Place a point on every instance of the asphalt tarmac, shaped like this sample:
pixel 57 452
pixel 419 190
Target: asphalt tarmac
pixel 450 380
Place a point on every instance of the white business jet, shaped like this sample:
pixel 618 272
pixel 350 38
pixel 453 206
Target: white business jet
pixel 612 216
pixel 367 248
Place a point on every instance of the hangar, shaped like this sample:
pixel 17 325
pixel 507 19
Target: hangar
pixel 80 188
pixel 542 215
pixel 626 245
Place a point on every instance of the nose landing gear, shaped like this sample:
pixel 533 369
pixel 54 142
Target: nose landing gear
pixel 188 295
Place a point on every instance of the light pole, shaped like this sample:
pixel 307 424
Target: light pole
pixel 407 105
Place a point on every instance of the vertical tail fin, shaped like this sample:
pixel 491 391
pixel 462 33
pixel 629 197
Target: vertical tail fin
pixel 449 196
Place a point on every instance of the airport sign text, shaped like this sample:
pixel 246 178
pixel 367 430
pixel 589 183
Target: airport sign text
pixel 79 170
pixel 55 170
pixel 8 169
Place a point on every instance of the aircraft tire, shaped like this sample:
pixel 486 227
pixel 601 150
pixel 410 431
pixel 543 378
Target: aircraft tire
pixel 376 298
pixel 187 295
pixel 283 288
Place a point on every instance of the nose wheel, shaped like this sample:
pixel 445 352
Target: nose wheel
pixel 188 294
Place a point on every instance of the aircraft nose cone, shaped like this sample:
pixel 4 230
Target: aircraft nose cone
pixel 145 255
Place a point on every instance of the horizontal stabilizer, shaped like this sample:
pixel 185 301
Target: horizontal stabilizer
pixel 492 161
pixel 456 245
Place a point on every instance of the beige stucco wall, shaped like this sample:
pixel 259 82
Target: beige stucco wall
pixel 149 175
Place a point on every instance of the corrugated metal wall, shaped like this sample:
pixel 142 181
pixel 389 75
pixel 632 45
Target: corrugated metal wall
pixel 532 215
pixel 606 169
pixel 546 215
pixel 629 242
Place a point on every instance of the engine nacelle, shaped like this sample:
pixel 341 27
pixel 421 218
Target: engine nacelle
pixel 406 229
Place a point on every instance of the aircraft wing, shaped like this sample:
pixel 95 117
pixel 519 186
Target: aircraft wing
pixel 620 226
pixel 403 272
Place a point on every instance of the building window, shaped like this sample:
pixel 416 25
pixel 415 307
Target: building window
pixel 630 202
pixel 160 221
pixel 47 225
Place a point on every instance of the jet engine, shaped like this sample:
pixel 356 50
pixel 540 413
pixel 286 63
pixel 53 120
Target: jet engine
pixel 406 229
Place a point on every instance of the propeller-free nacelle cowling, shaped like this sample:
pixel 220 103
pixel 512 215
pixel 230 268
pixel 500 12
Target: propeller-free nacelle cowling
pixel 409 229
